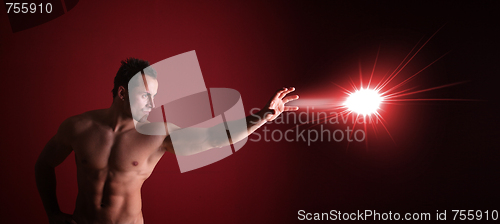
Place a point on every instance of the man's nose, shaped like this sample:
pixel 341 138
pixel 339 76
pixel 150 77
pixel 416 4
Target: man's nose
pixel 151 101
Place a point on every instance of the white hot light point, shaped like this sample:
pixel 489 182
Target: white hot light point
pixel 364 101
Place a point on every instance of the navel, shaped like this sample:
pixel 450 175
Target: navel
pixel 135 163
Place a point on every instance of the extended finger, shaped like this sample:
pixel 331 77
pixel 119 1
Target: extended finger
pixel 289 90
pixel 280 91
pixel 291 108
pixel 290 98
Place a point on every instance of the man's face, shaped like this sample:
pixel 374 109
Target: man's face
pixel 142 99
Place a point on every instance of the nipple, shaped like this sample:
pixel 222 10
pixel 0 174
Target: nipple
pixel 135 163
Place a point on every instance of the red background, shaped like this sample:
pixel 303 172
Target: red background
pixel 445 152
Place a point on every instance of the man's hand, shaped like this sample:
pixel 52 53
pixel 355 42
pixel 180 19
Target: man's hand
pixel 61 218
pixel 276 105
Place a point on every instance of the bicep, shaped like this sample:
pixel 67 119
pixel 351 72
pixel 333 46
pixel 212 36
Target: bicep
pixel 56 150
pixel 186 140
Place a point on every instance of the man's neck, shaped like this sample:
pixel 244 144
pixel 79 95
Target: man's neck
pixel 117 119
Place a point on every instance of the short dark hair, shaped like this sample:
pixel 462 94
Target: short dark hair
pixel 129 68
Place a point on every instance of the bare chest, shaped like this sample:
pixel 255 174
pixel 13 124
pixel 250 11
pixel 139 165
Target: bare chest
pixel 124 152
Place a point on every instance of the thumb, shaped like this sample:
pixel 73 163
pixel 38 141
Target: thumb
pixel 269 116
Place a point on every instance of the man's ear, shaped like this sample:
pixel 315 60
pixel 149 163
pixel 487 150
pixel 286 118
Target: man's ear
pixel 122 93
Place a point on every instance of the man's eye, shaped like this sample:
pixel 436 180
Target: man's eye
pixel 145 96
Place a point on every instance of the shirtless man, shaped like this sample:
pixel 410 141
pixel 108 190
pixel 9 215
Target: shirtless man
pixel 113 160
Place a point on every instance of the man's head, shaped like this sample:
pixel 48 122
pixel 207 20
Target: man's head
pixel 130 83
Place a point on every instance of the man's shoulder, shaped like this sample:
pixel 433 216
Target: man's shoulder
pixel 81 122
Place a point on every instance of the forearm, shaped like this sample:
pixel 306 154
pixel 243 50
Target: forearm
pixel 251 123
pixel 45 176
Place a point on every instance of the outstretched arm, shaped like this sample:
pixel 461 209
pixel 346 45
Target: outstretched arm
pixel 54 153
pixel 196 140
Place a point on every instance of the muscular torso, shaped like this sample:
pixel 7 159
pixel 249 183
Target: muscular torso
pixel 111 168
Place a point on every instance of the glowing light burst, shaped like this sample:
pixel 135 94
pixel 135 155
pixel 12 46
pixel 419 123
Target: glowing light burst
pixel 364 101
pixel 367 99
